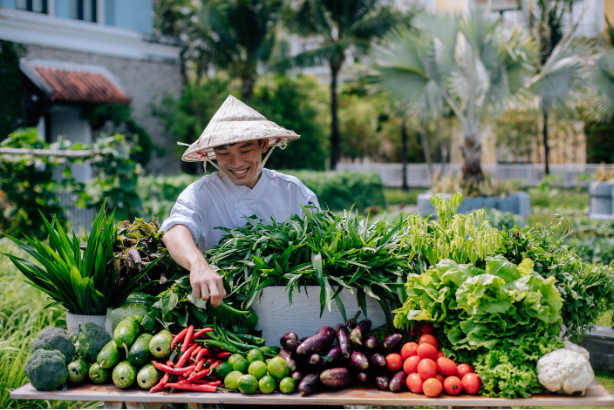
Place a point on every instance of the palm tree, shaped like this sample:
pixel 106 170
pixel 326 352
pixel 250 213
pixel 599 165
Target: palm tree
pixel 602 83
pixel 342 24
pixel 560 72
pixel 241 35
pixel 429 67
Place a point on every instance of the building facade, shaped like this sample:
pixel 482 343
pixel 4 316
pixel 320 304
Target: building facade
pixel 86 52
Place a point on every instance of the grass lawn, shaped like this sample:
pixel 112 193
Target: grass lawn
pixel 396 196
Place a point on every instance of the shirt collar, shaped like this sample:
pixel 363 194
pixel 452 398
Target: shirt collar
pixel 239 191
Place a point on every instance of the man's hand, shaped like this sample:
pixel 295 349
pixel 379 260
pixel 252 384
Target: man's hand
pixel 207 284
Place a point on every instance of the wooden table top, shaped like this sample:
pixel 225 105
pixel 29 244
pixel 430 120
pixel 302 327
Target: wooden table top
pixel 596 395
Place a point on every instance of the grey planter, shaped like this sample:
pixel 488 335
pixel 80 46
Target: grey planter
pixel 518 203
pixel 601 204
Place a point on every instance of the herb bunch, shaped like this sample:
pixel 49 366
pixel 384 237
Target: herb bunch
pixel 333 252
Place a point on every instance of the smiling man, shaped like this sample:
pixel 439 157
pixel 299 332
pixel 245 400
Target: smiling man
pixel 237 137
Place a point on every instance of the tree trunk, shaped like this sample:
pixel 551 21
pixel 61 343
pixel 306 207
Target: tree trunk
pixel 427 151
pixel 247 87
pixel 404 187
pixel 545 136
pixel 334 136
pixel 472 166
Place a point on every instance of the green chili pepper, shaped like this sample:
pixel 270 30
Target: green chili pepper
pixel 233 310
pixel 222 345
pixel 259 341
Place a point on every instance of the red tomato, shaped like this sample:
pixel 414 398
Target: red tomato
pixel 394 362
pixel 427 369
pixel 427 351
pixel 427 338
pixel 472 383
pixel 453 385
pixel 409 349
pixel 410 365
pixel 446 366
pixel 462 369
pixel 440 354
pixel 414 383
pixel 432 387
pixel 440 377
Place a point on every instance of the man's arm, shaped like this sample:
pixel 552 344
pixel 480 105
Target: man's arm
pixel 205 282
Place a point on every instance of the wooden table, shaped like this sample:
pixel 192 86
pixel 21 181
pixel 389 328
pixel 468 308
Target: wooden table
pixel 596 396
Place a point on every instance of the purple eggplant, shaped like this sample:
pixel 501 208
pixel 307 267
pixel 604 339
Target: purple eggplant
pixel 333 356
pixel 315 359
pixel 297 376
pixel 364 378
pixel 288 336
pixel 291 345
pixel 360 332
pixel 316 343
pixel 309 384
pixel 391 341
pixel 382 382
pixel 302 339
pixel 398 382
pixel 378 360
pixel 359 361
pixel 343 339
pixel 371 343
pixel 351 322
pixel 338 378
pixel 287 356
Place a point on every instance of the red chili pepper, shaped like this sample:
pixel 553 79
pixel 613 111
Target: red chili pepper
pixel 169 363
pixel 198 375
pixel 170 370
pixel 179 337
pixel 204 352
pixel 199 365
pixel 195 351
pixel 215 383
pixel 186 375
pixel 184 358
pixel 161 385
pixel 223 355
pixel 188 338
pixel 190 387
pixel 202 332
pixel 216 364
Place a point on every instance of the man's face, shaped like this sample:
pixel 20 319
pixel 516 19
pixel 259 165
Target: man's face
pixel 241 161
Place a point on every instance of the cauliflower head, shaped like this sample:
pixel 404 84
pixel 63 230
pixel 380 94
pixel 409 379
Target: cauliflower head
pixel 90 340
pixel 46 369
pixel 565 371
pixel 54 338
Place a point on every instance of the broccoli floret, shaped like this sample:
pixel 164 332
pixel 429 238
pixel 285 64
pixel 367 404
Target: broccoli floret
pixel 47 369
pixel 90 340
pixel 54 338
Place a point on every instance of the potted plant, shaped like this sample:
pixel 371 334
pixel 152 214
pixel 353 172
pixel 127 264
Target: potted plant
pixel 82 280
pixel 601 192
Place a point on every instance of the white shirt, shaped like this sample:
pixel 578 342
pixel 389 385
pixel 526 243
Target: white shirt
pixel 214 200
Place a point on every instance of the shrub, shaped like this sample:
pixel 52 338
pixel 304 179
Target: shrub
pixel 342 190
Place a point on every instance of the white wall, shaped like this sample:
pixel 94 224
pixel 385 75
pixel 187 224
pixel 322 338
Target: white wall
pixel 66 122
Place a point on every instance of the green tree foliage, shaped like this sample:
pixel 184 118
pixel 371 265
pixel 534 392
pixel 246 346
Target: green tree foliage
pixel 12 114
pixel 293 104
pixel 342 25
pixel 27 185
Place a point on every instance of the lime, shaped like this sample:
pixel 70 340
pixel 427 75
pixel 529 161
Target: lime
pixel 257 369
pixel 255 355
pixel 287 385
pixel 278 368
pixel 230 381
pixel 267 361
pixel 247 384
pixel 223 369
pixel 267 384
pixel 233 357
pixel 241 365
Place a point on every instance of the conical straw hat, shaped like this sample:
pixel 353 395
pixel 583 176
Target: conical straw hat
pixel 235 122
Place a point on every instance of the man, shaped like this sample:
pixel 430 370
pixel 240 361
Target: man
pixel 237 136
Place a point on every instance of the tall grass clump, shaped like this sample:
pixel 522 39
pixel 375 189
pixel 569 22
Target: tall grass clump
pixel 22 317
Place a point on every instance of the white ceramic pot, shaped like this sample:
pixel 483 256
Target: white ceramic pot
pixel 73 321
pixel 276 316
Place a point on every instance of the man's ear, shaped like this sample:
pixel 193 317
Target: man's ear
pixel 264 144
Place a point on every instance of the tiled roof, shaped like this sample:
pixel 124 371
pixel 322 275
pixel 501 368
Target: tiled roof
pixel 74 83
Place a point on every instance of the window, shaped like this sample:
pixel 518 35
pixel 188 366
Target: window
pixel 83 10
pixel 37 6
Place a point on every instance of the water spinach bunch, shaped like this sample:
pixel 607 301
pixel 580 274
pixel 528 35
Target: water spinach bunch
pixel 321 249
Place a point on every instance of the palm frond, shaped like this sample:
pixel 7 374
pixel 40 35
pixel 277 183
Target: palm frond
pixel 602 87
